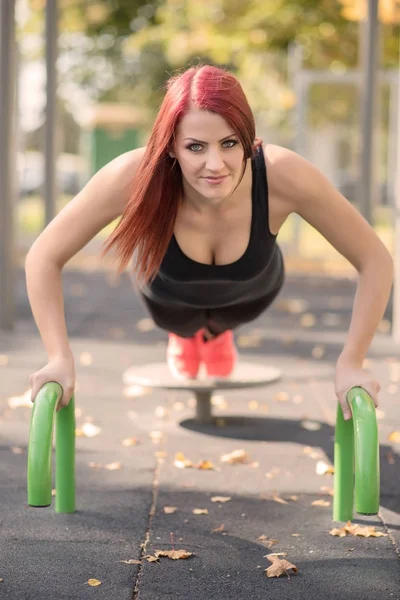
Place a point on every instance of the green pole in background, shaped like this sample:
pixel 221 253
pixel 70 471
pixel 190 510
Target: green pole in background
pixel 39 473
pixel 356 459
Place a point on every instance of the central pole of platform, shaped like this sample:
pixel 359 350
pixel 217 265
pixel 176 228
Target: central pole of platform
pixel 203 406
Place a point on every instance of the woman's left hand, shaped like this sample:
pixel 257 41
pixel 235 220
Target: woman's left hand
pixel 348 376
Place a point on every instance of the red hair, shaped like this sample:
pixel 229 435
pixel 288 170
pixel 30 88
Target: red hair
pixel 147 224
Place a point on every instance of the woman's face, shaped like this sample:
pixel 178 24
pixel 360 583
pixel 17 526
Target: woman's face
pixel 207 147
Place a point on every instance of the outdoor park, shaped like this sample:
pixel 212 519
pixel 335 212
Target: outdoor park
pixel 124 479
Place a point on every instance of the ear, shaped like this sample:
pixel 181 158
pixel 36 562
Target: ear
pixel 171 154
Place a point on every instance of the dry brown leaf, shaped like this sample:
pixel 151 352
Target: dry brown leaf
pixel 131 561
pixel 249 341
pixel 161 454
pixel 268 542
pixel 205 465
pixel 200 511
pixel 3 362
pixel 156 436
pixel 293 498
pixel 21 401
pixel 296 535
pixel 136 391
pixel 115 466
pixel 292 305
pixel 394 437
pixel 307 320
pixel 326 490
pixel 219 529
pixel 254 405
pixel 94 465
pixel 310 425
pixel 281 397
pixel 145 324
pixel 318 351
pixel 174 554
pixel 221 499
pixel 130 442
pixel 320 503
pixel 150 558
pixel 182 462
pixel 236 457
pixel 354 529
pixel 17 450
pixel 277 498
pixel 93 582
pixel 322 468
pixel 90 430
pixel 279 566
pixel 170 510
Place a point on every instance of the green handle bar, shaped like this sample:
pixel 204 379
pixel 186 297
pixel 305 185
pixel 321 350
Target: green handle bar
pixel 39 473
pixel 356 459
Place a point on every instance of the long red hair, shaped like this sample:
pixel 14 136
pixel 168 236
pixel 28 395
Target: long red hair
pixel 147 224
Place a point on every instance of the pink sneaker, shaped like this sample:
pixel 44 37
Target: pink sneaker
pixel 219 354
pixel 183 356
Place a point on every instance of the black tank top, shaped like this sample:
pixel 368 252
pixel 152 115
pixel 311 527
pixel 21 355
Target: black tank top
pixel 259 272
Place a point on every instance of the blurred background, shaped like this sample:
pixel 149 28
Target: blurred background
pixel 89 77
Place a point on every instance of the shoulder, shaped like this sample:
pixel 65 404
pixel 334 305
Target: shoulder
pixel 291 176
pixel 126 163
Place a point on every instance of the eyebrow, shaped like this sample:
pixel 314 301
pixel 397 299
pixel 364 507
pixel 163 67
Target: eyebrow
pixel 199 141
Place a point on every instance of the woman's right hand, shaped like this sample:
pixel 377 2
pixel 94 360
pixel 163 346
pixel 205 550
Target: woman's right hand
pixel 60 370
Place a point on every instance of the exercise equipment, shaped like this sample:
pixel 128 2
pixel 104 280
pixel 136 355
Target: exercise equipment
pixel 245 375
pixel 40 451
pixel 356 459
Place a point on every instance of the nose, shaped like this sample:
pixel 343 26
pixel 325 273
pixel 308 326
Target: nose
pixel 214 162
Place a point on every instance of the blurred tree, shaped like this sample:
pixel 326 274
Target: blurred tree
pixel 123 50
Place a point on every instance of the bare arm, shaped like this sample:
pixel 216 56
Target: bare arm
pixel 101 201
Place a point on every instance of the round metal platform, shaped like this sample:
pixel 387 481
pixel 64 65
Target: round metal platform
pixel 245 375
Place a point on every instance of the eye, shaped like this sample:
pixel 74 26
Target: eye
pixel 232 142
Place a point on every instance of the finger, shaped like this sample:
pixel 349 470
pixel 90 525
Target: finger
pixel 346 410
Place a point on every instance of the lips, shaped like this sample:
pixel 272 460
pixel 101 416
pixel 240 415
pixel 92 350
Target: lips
pixel 215 179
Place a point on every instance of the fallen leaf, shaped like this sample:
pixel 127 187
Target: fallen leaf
pixel 160 454
pixel 115 466
pixel 21 401
pixel 318 351
pixel 94 465
pixel 131 561
pixel 170 510
pixel 236 457
pixel 390 458
pixel 86 359
pixel 281 397
pixel 145 324
pixel 182 462
pixel 268 542
pixel 277 498
pixel 156 436
pixel 292 305
pixel 279 567
pixel 200 511
pixel 296 535
pixel 136 391
pixel 129 442
pixel 221 499
pixel 89 430
pixel 219 529
pixel 161 412
pixel 254 405
pixel 3 363
pixel 326 490
pixel 174 554
pixel 311 425
pixel 205 465
pixel 17 450
pixel 293 498
pixel 150 558
pixel 320 503
pixel 93 582
pixel 394 437
pixel 249 341
pixel 322 468
pixel 307 320
pixel 360 530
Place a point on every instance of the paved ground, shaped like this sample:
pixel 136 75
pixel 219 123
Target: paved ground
pixel 120 513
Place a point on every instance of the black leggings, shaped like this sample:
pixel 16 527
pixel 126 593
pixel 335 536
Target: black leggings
pixel 185 321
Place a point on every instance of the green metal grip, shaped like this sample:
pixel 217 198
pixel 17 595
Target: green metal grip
pixel 356 459
pixel 39 473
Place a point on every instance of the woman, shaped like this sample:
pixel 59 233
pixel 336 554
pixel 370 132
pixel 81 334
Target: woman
pixel 201 207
